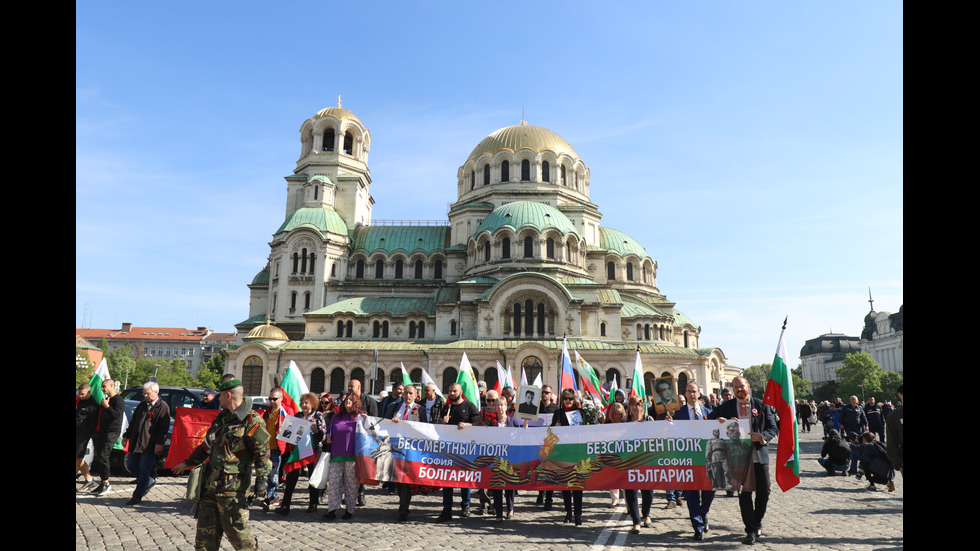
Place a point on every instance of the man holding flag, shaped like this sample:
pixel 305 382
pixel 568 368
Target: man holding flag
pixel 108 427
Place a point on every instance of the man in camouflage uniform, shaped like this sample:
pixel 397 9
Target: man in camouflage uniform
pixel 234 442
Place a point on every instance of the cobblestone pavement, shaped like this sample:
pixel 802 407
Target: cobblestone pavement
pixel 821 513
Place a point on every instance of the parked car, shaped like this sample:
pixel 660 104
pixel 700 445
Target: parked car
pixel 174 396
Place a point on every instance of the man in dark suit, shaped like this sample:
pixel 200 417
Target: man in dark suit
pixel 763 429
pixel 698 501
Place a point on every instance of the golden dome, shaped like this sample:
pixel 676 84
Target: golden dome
pixel 266 332
pixel 338 113
pixel 523 136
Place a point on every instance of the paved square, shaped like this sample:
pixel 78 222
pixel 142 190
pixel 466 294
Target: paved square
pixel 821 513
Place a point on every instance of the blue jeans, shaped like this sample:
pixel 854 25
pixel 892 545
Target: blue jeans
pixel 447 498
pixel 273 491
pixel 673 495
pixel 144 464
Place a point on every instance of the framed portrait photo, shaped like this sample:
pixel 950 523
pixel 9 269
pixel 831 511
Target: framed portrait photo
pixel 528 400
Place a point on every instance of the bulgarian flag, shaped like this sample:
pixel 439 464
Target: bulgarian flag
pixel 609 391
pixel 510 379
pixel 427 380
pixel 779 395
pixel 637 387
pixel 406 379
pixel 293 387
pixel 590 379
pixel 503 379
pixel 467 380
pixel 101 374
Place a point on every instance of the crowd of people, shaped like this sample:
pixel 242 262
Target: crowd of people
pixel 250 441
pixel 864 441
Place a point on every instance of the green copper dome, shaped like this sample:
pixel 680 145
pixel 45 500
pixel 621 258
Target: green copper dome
pixel 519 214
pixel 321 219
pixel 618 242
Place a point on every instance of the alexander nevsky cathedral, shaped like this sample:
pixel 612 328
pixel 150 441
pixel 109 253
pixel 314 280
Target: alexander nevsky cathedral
pixel 523 262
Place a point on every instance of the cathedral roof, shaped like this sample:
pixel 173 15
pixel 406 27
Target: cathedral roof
pixel 519 214
pixel 338 113
pixel 396 306
pixel 318 218
pixel 406 239
pixel 618 242
pixel 523 136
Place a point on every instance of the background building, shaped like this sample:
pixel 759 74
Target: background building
pixel 883 337
pixel 522 261
pixel 168 343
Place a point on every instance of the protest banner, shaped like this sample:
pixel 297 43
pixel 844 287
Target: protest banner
pixel 647 455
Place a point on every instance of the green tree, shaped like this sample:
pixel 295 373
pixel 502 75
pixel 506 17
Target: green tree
pixel 890 381
pixel 861 376
pixel 757 376
pixel 209 373
pixel 802 388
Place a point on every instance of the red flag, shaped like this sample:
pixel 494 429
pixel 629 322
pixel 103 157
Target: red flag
pixel 190 427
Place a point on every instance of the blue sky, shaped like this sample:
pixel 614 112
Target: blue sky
pixel 755 149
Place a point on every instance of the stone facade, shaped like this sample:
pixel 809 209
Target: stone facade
pixel 521 263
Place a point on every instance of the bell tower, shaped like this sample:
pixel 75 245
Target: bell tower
pixel 334 152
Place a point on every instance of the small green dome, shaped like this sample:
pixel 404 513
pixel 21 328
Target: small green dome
pixel 620 243
pixel 518 214
pixel 319 218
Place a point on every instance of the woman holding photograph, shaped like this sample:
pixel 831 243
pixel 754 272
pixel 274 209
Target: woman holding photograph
pixel 309 410
pixel 498 495
pixel 570 414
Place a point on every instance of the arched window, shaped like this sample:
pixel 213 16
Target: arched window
pixel 551 247
pixel 486 175
pixel 486 252
pixel 312 263
pixel 545 171
pixel 379 269
pixel 646 331
pixel 292 300
pixel 611 270
pixel 350 328
pixel 303 265
pixel 418 269
pixel 316 380
pixel 528 317
pixel 517 319
pixel 528 247
pixel 421 329
pixel 399 268
pixel 472 179
pixel 295 262
pixel 564 181
pixel 411 329
pixel 452 327
pixel 340 329
pixel 348 143
pixel 438 270
pixel 602 329
pixel 377 329
pixel 448 379
pixel 316 191
pixel 384 330
pixel 359 272
pixel 525 170
pixel 540 319
pixel 329 139
pixel 337 381
pixel 686 345
pixel 505 171
pixel 307 298
pixel 358 375
pixel 629 271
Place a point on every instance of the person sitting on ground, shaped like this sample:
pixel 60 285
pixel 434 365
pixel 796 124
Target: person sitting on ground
pixel 835 455
pixel 874 461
